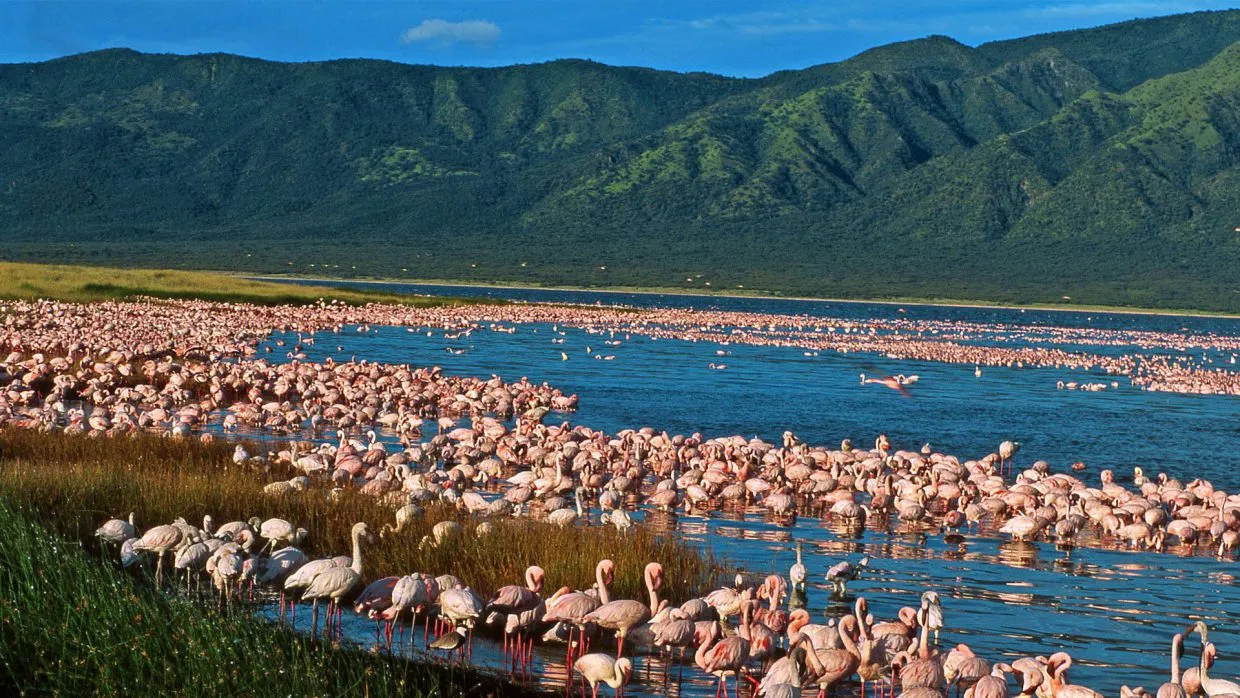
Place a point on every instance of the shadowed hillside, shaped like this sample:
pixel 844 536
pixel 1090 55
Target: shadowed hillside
pixel 1098 164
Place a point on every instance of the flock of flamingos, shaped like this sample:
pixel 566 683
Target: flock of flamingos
pixel 197 370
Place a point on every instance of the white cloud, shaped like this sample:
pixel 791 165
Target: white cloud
pixel 757 23
pixel 442 31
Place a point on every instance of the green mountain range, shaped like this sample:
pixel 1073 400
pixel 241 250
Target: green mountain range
pixel 1101 164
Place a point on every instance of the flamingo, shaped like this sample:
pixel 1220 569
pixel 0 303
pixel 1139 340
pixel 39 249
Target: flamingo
pixel 1173 689
pixel 789 671
pixel 925 671
pixel 160 540
pixel 819 636
pixel 832 666
pixel 1007 449
pixel 1211 686
pixel 301 578
pixel 1057 665
pixel 599 668
pixel 461 607
pixel 624 615
pixel 797 574
pixel 116 531
pixel 993 685
pixel 887 382
pixel 375 598
pixel 678 631
pixel 840 574
pixel 281 531
pixel 336 583
pixel 723 657
pixel 408 593
pixel 514 600
pixel 572 607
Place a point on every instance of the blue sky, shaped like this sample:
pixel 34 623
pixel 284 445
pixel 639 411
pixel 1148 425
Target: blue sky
pixel 733 37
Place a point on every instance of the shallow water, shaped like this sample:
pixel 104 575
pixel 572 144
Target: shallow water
pixel 1114 611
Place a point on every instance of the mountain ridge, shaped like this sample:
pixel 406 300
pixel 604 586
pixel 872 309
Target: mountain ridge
pixel 1097 164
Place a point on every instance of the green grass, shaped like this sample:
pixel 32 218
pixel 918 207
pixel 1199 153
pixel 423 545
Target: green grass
pixel 72 626
pixel 74 483
pixel 87 284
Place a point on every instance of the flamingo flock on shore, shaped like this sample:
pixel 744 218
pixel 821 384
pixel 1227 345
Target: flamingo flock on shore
pixel 190 369
pixel 742 631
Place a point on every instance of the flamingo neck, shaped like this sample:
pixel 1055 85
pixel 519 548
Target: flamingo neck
pixel 846 639
pixel 654 595
pixel 603 595
pixel 924 643
pixel 357 552
pixel 1175 661
pixel 699 657
pixel 811 658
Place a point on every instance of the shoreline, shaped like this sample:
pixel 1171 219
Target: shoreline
pixel 657 291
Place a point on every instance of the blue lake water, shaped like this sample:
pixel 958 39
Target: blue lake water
pixel 1114 611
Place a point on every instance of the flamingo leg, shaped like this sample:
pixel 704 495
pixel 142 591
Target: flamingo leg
pixel 751 680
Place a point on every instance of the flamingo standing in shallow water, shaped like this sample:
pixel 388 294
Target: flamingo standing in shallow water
pixel 514 600
pixel 723 657
pixel 624 615
pixel 160 540
pixel 600 668
pixel 572 607
pixel 832 666
pixel 336 583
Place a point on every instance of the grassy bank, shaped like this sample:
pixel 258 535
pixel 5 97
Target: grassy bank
pixel 73 483
pixel 70 625
pixel 85 284
pixel 756 294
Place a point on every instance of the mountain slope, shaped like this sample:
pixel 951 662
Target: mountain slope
pixel 1098 164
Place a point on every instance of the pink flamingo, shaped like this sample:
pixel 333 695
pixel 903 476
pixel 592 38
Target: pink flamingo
pixel 572 607
pixel 160 540
pixel 1173 689
pixel 336 583
pixel 723 657
pixel 624 615
pixel 832 666
pixel 600 668
pixel 514 600
pixel 375 598
pixel 1056 667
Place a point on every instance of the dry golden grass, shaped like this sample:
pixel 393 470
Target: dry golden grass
pixel 74 483
pixel 86 284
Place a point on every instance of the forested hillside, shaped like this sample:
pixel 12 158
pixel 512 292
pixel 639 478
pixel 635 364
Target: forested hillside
pixel 1099 164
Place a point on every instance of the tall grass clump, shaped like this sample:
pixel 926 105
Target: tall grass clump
pixel 20 281
pixel 71 626
pixel 73 483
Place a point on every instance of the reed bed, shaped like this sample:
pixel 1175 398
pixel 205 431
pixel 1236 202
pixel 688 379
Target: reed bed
pixel 71 626
pixel 73 483
pixel 85 284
